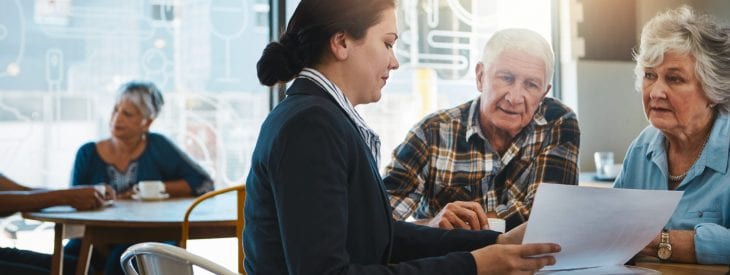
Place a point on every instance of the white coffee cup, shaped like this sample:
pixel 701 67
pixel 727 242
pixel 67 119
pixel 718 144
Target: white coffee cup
pixel 150 189
pixel 496 224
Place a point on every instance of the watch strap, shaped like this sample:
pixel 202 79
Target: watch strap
pixel 664 250
pixel 664 236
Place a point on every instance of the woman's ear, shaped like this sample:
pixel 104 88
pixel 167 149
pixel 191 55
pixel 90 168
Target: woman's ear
pixel 339 45
pixel 146 123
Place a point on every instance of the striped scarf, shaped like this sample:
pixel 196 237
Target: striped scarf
pixel 368 135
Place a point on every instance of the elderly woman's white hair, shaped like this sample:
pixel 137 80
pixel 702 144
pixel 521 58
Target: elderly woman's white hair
pixel 144 95
pixel 524 40
pixel 702 36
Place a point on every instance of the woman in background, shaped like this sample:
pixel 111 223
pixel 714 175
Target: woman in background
pixel 133 154
pixel 315 201
pixel 683 72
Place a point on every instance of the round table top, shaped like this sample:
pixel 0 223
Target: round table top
pixel 677 268
pixel 133 213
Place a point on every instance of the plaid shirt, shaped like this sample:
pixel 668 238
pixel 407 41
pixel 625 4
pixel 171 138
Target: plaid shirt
pixel 447 158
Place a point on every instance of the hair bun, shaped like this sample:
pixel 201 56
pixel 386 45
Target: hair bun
pixel 290 40
pixel 277 64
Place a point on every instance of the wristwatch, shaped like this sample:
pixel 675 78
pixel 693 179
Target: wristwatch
pixel 664 251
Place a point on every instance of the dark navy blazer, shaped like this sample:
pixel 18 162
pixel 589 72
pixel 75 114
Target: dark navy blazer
pixel 316 204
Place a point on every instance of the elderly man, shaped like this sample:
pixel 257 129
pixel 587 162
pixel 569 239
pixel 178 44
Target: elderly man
pixel 486 157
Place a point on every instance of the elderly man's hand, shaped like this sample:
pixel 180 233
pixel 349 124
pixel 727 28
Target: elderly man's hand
pixel 461 214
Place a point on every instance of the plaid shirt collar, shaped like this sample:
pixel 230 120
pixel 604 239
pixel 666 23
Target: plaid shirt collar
pixel 474 128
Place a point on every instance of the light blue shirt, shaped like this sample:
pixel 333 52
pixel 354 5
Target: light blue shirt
pixel 705 205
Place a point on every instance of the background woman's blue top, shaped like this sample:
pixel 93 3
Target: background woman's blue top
pixel 160 160
pixel 705 204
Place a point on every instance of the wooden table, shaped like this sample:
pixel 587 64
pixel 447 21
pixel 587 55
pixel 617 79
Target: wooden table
pixel 695 269
pixel 650 267
pixel 129 221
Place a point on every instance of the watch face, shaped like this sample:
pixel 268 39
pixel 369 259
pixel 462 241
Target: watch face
pixel 664 252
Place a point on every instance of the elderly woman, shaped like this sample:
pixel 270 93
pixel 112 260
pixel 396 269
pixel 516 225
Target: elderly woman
pixel 683 71
pixel 133 154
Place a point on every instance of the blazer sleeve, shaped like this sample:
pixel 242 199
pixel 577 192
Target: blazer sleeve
pixel 309 170
pixel 413 241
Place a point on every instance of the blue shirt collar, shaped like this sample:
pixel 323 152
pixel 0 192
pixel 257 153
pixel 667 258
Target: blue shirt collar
pixel 718 143
pixel 710 156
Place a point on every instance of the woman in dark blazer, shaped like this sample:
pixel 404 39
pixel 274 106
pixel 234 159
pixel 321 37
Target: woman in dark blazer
pixel 315 200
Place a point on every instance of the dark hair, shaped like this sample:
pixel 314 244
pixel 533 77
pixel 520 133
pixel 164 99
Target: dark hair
pixel 144 95
pixel 307 35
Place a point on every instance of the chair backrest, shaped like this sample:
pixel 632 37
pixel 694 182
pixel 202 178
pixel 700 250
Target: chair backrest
pixel 159 258
pixel 241 198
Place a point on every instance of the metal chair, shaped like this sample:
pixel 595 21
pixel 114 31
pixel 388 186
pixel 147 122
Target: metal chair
pixel 159 258
pixel 241 197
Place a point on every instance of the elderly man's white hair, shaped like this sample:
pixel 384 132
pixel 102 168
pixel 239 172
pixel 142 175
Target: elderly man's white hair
pixel 524 40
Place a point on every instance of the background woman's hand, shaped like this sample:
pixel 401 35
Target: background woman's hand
pixel 106 191
pixel 126 195
pixel 514 259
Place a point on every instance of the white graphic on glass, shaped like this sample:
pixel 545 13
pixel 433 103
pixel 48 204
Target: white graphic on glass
pixel 228 21
pixel 12 39
pixel 154 64
pixel 54 69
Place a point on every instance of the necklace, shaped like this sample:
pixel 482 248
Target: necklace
pixel 679 178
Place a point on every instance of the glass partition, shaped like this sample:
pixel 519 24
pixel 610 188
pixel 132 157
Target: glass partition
pixel 61 62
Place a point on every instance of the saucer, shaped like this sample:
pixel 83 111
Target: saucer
pixel 160 197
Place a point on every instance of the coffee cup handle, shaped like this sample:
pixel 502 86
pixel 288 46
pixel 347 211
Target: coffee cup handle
pixel 135 188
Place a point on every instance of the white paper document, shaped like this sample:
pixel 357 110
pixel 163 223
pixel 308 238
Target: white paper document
pixel 597 227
